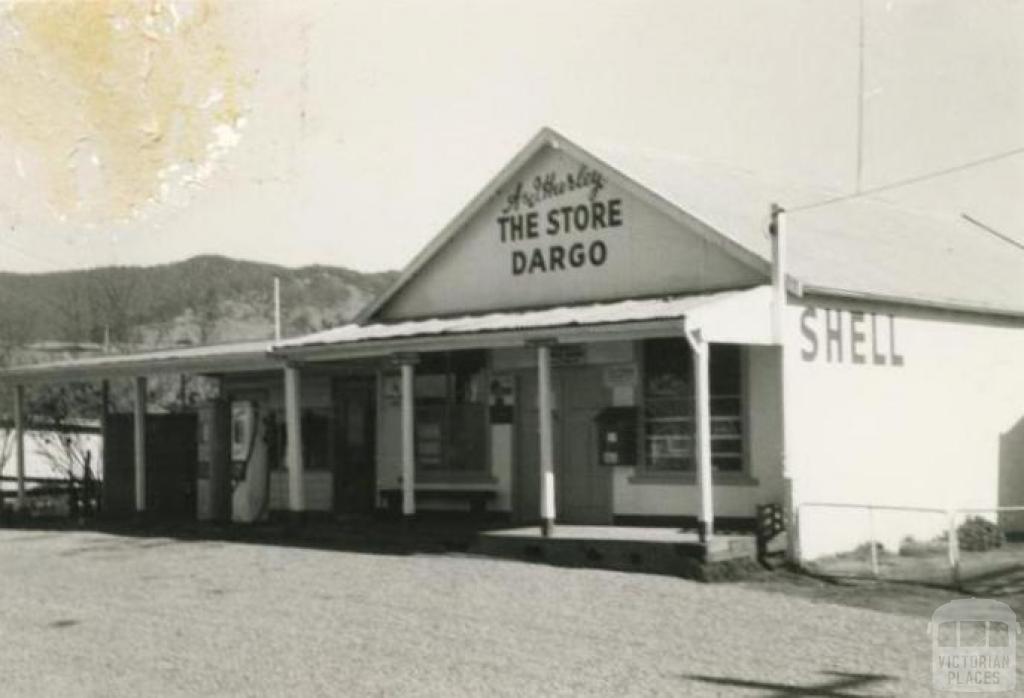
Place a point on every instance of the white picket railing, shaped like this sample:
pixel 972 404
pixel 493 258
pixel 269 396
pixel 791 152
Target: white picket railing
pixel 952 519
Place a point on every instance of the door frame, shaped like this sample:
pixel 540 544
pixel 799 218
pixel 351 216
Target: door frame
pixel 367 387
pixel 523 408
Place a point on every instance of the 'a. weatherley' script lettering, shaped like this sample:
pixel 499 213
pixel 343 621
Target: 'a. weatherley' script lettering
pixel 518 223
pixel 551 185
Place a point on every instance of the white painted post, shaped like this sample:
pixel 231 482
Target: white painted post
pixel 293 426
pixel 408 438
pixel 778 235
pixel 702 414
pixel 277 308
pixel 872 543
pixel 780 299
pixel 139 425
pixel 19 443
pixel 954 549
pixel 547 442
pixel 104 420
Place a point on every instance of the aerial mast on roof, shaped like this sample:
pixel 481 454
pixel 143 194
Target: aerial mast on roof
pixel 860 98
pixel 277 308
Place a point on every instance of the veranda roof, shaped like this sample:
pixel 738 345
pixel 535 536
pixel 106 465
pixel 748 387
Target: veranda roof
pixel 216 358
pixel 740 316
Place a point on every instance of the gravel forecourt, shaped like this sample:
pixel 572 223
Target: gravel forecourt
pixel 93 614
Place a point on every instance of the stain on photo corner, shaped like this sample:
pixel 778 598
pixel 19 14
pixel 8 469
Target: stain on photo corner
pixel 115 105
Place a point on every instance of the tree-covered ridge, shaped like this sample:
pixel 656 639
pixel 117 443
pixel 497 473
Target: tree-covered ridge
pixel 199 300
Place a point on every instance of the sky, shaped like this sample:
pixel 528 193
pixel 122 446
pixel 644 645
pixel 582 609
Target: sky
pixel 349 133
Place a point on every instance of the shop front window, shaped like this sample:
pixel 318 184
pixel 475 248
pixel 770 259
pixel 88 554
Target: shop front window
pixel 669 431
pixel 316 439
pixel 727 408
pixel 451 413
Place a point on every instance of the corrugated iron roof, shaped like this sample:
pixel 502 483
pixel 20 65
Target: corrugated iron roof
pixel 215 358
pixel 561 317
pixel 853 247
pixel 856 246
pixel 746 310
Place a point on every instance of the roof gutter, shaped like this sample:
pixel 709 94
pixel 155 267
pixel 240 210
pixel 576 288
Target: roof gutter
pixel 948 307
pixel 227 363
pixel 479 340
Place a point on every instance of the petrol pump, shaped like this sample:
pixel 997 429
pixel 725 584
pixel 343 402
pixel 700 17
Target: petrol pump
pixel 249 462
pixel 233 475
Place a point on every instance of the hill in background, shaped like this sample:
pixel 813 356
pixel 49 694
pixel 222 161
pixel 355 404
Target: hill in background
pixel 206 299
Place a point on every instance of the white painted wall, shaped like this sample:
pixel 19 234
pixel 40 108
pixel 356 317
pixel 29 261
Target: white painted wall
pixel 40 447
pixel 389 430
pixel 502 438
pixel 942 425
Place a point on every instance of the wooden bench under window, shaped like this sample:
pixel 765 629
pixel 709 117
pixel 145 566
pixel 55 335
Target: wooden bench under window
pixel 477 498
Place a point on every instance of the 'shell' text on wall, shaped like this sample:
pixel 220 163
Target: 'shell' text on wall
pixel 555 238
pixel 849 336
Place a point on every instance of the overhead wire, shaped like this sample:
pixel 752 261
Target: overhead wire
pixel 867 193
pixel 989 229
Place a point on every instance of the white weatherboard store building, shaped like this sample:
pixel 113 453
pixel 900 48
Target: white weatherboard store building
pixel 619 340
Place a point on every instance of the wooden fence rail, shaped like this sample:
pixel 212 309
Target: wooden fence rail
pixel 84 497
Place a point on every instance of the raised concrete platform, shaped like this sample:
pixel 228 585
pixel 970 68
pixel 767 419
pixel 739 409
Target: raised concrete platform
pixel 657 550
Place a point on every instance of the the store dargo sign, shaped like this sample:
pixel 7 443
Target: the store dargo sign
pixel 546 234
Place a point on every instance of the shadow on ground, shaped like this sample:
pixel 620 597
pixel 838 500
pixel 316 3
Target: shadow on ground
pixel 430 534
pixel 1005 578
pixel 838 685
pixel 998 582
pixel 377 536
pixel 893 596
pixel 368 535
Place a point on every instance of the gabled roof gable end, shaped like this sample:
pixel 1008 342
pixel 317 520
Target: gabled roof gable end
pixel 548 137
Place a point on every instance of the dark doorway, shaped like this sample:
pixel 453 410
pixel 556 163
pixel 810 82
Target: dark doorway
pixel 171 456
pixel 583 488
pixel 355 466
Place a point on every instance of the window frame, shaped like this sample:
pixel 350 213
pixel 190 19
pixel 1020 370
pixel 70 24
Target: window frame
pixel 445 473
pixel 644 474
pixel 328 415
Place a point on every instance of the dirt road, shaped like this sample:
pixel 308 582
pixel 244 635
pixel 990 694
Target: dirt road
pixel 90 614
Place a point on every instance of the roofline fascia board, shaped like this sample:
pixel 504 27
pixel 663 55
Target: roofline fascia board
pixel 512 308
pixel 27 375
pixel 810 290
pixel 677 214
pixel 482 340
pixel 551 138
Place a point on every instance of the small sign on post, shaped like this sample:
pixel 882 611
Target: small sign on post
pixel 502 400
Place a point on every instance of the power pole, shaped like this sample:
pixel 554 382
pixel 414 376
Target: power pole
pixel 277 308
pixel 860 98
